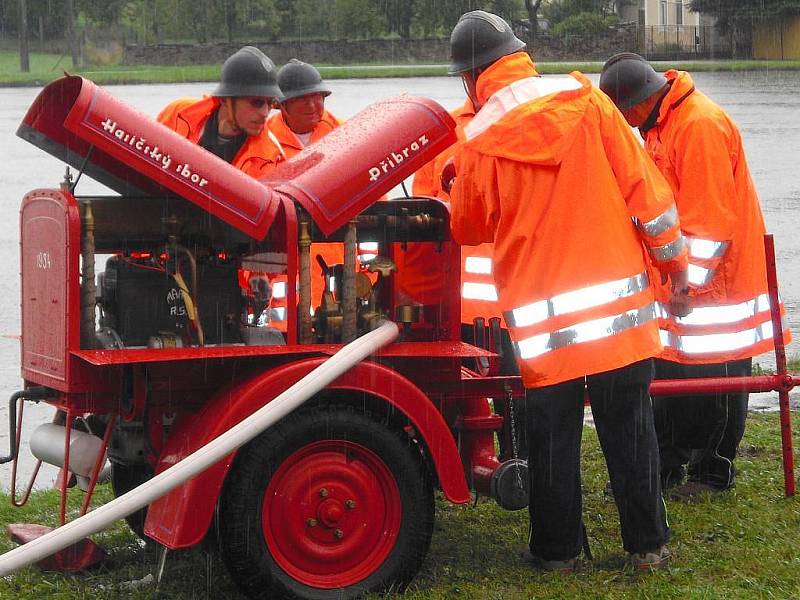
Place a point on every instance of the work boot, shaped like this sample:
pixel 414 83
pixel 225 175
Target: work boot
pixel 691 490
pixel 650 559
pixel 566 566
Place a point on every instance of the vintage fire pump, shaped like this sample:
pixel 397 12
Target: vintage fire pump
pixel 165 350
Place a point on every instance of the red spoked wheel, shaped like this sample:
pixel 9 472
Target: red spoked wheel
pixel 329 503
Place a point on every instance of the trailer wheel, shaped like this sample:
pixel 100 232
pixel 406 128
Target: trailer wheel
pixel 123 479
pixel 329 503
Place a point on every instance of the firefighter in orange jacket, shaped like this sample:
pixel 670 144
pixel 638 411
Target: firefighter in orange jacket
pixel 698 148
pixel 303 118
pixel 551 173
pixel 231 123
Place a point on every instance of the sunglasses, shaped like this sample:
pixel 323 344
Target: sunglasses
pixel 256 102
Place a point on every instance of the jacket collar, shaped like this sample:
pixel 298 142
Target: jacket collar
pixel 682 86
pixel 501 73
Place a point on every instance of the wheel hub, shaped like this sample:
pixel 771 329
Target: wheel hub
pixel 330 512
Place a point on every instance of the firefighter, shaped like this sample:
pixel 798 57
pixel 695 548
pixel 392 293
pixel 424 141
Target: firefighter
pixel 698 148
pixel 303 118
pixel 231 123
pixel 551 173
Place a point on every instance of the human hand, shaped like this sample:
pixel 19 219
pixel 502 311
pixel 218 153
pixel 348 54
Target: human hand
pixel 448 175
pixel 679 302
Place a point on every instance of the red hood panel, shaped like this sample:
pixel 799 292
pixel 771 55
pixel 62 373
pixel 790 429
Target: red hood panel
pixel 333 179
pixel 87 127
pixel 353 166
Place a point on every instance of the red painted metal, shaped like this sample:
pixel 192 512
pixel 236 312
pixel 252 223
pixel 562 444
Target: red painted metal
pixel 181 518
pixel 82 124
pixel 780 363
pixel 98 464
pixel 723 385
pixel 13 493
pixel 331 514
pixel 346 171
pixel 77 557
pixel 150 355
pixel 50 248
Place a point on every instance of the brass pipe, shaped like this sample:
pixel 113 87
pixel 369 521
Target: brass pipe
pixel 348 301
pixel 88 289
pixel 304 302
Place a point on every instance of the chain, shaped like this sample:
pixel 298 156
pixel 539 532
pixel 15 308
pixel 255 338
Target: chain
pixel 513 427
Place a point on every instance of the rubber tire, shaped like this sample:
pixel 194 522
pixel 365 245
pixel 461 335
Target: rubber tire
pixel 123 479
pixel 240 535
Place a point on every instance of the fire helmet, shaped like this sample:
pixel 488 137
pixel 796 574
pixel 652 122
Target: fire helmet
pixel 480 38
pixel 248 72
pixel 628 79
pixel 297 78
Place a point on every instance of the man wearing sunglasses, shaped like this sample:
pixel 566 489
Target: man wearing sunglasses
pixel 231 123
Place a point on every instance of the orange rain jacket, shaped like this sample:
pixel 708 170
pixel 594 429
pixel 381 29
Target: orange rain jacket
pixel 289 141
pixel 551 172
pixel 698 148
pixel 257 157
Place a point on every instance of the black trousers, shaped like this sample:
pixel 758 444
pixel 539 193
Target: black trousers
pixel 701 431
pixel 623 415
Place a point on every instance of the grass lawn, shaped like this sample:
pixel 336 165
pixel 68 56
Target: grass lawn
pixel 740 544
pixel 47 67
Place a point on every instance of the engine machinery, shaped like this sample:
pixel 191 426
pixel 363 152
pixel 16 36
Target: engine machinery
pixel 214 293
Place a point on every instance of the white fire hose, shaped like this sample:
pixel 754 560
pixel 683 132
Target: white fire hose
pixel 139 497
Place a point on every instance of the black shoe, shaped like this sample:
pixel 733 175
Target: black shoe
pixel 566 566
pixel 691 490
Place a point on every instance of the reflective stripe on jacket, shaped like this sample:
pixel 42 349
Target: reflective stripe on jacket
pixel 187 116
pixel 289 141
pixel 553 175
pixel 698 148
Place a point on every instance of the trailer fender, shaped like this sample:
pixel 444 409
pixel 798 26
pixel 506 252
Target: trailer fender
pixel 181 518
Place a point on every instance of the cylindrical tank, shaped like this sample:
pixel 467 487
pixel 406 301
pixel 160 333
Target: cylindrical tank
pixel 47 444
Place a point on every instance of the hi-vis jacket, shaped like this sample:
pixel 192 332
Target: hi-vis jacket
pixel 478 292
pixel 290 143
pixel 697 147
pixel 551 172
pixel 257 157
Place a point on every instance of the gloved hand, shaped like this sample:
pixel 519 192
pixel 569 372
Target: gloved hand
pixel 448 175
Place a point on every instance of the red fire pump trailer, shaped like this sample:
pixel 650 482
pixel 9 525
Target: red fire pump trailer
pixel 161 352
pixel 163 365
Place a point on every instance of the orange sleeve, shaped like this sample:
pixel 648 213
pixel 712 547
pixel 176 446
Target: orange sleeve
pixel 705 169
pixel 423 180
pixel 474 198
pixel 647 194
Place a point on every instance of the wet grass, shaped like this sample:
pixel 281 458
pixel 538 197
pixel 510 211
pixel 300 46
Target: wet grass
pixel 47 67
pixel 792 366
pixel 739 544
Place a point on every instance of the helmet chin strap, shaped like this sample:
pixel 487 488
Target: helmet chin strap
pixel 228 127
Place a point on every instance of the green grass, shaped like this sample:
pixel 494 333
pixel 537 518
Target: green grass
pixel 792 366
pixel 47 67
pixel 740 544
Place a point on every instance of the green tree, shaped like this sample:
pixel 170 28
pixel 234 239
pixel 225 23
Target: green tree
pixel 558 10
pixel 730 13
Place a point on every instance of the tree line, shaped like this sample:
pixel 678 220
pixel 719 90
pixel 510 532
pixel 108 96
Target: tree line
pixel 204 21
